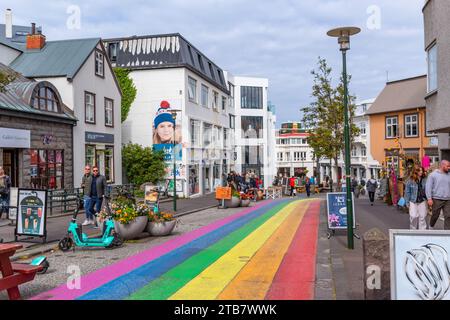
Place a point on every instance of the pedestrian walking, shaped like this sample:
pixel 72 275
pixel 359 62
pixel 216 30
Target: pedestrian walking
pixel 354 188
pixel 308 187
pixel 438 194
pixel 292 185
pixel 416 199
pixel 5 187
pixel 98 188
pixel 371 186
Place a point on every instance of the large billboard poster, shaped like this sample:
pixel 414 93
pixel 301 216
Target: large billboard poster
pixel 337 210
pixel 420 264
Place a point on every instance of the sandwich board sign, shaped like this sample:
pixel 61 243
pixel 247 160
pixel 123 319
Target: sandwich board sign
pixel 337 210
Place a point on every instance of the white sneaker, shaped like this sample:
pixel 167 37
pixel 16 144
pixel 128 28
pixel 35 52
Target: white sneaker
pixel 86 222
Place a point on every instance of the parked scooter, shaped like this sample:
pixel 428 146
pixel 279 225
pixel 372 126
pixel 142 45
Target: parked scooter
pixel 76 237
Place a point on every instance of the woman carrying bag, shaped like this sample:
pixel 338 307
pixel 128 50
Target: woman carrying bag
pixel 416 200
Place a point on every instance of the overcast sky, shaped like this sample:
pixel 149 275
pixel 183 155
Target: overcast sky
pixel 277 39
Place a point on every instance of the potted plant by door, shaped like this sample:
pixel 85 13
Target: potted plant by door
pixel 245 200
pixel 130 220
pixel 160 223
pixel 235 200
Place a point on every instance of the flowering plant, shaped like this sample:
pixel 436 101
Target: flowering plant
pixel 124 211
pixel 245 196
pixel 160 216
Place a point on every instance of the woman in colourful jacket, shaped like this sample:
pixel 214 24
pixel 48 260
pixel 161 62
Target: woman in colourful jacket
pixel 416 200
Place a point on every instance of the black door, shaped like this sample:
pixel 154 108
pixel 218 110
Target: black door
pixel 10 165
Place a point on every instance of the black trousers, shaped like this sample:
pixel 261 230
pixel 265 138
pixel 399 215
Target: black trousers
pixel 308 190
pixel 371 196
pixel 439 205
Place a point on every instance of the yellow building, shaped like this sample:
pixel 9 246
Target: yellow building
pixel 398 124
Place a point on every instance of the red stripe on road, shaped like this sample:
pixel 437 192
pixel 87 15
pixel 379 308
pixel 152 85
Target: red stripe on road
pixel 296 276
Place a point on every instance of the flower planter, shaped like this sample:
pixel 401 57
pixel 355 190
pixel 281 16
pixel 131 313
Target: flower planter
pixel 233 203
pixel 245 202
pixel 160 228
pixel 133 229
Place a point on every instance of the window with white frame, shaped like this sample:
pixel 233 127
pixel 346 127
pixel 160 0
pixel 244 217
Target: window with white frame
pixel 279 156
pixel 215 102
pixel 304 141
pixel 432 68
pixel 303 156
pixel 99 63
pixel 411 125
pixel 109 112
pixel 207 135
pixel 231 101
pixel 363 151
pixel 362 128
pixel 205 93
pixel 391 127
pixel 288 156
pixel 89 107
pixel 296 156
pixel 354 152
pixel 226 138
pixel 224 103
pixel 195 133
pixel 192 89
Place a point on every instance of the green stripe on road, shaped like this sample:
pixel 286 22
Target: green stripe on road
pixel 174 279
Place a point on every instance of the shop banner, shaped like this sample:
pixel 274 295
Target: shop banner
pixel 31 213
pixel 337 210
pixel 15 138
pixel 420 264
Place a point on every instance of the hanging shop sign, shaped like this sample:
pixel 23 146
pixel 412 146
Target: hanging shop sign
pixel 31 213
pixel 99 137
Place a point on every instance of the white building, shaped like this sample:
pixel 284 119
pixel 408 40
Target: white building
pixel 294 156
pixel 255 127
pixel 169 68
pixel 82 74
pixel 363 165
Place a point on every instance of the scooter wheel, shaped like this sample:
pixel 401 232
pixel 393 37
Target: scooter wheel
pixel 65 244
pixel 45 267
pixel 117 241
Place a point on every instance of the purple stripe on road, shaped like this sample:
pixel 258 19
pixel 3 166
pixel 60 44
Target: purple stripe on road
pixel 100 277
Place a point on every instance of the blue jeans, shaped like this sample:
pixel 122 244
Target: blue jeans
pixel 4 205
pixel 97 202
pixel 87 207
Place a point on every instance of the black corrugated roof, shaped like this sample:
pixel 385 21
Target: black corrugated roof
pixel 166 51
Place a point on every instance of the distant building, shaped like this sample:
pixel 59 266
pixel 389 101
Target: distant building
pixel 293 154
pixel 397 124
pixel 437 94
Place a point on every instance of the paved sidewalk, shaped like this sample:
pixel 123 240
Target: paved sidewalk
pixel 57 226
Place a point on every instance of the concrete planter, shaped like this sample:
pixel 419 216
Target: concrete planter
pixel 245 202
pixel 131 230
pixel 160 228
pixel 233 203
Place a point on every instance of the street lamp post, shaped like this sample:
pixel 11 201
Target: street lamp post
pixel 174 117
pixel 343 35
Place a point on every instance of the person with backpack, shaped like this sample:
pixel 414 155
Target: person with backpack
pixel 372 186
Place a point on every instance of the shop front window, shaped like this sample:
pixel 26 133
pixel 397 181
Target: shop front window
pixel 109 164
pixel 47 169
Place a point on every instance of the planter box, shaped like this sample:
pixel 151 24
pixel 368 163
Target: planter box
pixel 160 228
pixel 233 203
pixel 131 230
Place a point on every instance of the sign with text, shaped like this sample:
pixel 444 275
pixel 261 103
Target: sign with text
pixel 99 137
pixel 223 193
pixel 337 210
pixel 15 138
pixel 31 212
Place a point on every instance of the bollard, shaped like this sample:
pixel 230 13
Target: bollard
pixel 376 265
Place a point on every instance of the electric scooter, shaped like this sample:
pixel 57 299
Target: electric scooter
pixel 76 238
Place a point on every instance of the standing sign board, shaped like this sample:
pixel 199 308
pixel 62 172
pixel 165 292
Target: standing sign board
pixel 31 213
pixel 13 194
pixel 420 264
pixel 151 196
pixel 337 210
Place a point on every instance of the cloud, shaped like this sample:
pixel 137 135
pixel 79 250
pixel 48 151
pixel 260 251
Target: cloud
pixel 279 39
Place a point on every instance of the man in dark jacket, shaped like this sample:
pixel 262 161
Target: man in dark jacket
pixel 85 184
pixel 95 189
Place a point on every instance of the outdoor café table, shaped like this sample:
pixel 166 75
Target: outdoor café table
pixel 14 274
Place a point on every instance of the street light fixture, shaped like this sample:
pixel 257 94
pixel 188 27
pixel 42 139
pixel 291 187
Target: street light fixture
pixel 343 34
pixel 174 117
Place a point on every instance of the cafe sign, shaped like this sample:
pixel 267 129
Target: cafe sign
pixel 15 138
pixel 31 213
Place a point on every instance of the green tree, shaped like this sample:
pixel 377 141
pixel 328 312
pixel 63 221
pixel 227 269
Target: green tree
pixel 128 90
pixel 143 165
pixel 324 117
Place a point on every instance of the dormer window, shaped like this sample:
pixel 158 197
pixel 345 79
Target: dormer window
pixel 45 99
pixel 99 64
pixel 112 48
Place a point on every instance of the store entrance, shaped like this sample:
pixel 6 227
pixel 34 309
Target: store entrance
pixel 100 161
pixel 10 165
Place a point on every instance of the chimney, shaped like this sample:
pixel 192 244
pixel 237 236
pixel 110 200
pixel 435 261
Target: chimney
pixel 35 40
pixel 8 24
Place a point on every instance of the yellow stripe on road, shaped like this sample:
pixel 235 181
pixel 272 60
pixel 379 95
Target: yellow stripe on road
pixel 255 279
pixel 209 283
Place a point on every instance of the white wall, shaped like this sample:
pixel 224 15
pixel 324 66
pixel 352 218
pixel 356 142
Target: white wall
pixel 7 54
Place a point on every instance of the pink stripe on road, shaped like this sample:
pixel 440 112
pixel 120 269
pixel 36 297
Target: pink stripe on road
pixel 99 277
